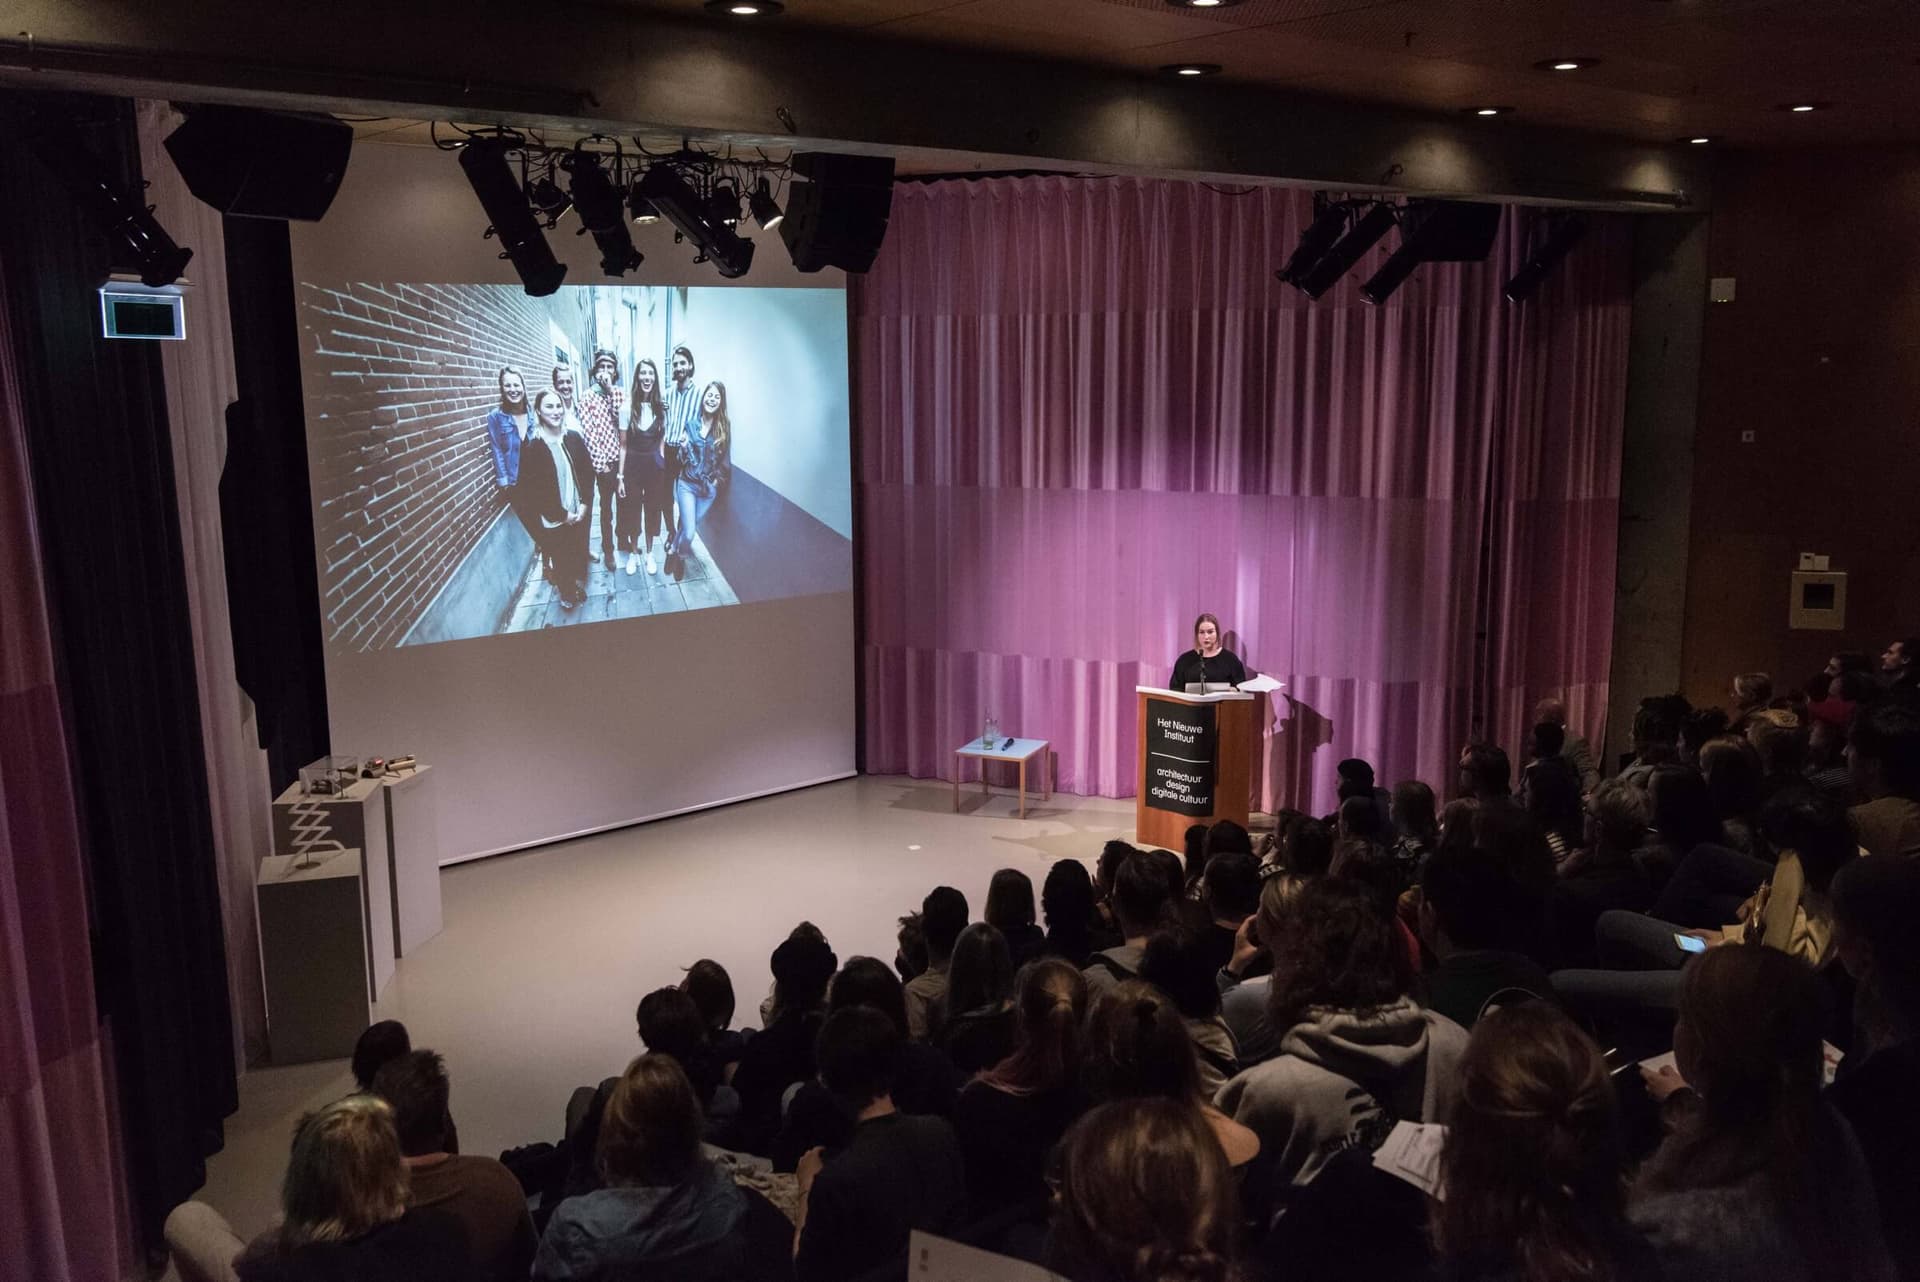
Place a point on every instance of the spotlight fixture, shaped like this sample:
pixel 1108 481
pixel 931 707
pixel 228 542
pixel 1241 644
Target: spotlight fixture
pixel 1434 231
pixel 484 160
pixel 640 209
pixel 1487 111
pixel 1346 251
pixel 674 199
pixel 1315 241
pixel 765 211
pixel 601 213
pixel 745 8
pixel 548 200
pixel 1566 64
pixel 1191 69
pixel 724 204
pixel 1563 236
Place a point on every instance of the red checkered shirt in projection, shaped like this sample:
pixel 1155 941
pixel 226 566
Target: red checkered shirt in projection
pixel 600 416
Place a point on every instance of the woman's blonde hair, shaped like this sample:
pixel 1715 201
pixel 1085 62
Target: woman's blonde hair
pixel 344 1177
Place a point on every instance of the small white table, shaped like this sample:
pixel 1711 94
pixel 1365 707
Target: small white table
pixel 1019 751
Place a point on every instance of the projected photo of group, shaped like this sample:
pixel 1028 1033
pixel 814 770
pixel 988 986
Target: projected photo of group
pixel 484 462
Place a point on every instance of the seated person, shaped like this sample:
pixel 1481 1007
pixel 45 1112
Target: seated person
pixel 978 1030
pixel 1073 919
pixel 478 1191
pixel 381 1042
pixel 1231 892
pixel 782 1053
pixel 1884 757
pixel 1137 1046
pixel 1178 964
pixel 711 988
pixel 1010 911
pixel 1141 898
pixel 943 915
pixel 1604 873
pixel 344 1201
pixel 665 1210
pixel 1464 897
pixel 896 1174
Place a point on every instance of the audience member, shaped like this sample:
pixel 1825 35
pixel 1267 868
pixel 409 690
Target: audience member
pixel 896 1174
pixel 1010 1117
pixel 1606 873
pixel 1246 979
pixel 1883 757
pixel 1106 868
pixel 1357 1053
pixel 477 1191
pixel 664 1210
pixel 669 1023
pixel 1140 899
pixel 1464 898
pixel 344 1209
pixel 1137 1046
pixel 1223 838
pixel 943 915
pixel 782 1053
pixel 386 1040
pixel 1900 665
pixel 1231 894
pixel 1656 736
pixel 1875 905
pixel 1356 783
pixel 1757 1177
pixel 978 1030
pixel 1307 850
pixel 1532 1165
pixel 910 955
pixel 1780 737
pixel 1073 920
pixel 770 1005
pixel 1552 798
pixel 1113 1225
pixel 1732 770
pixel 1416 825
pixel 1826 762
pixel 1010 911
pixel 1682 818
pixel 1752 691
pixel 1577 751
pixel 1486 775
pixel 1697 729
pixel 711 988
pixel 1179 964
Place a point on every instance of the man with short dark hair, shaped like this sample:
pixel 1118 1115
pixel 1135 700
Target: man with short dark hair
pixel 1464 901
pixel 1575 748
pixel 897 1174
pixel 1140 895
pixel 1486 776
pixel 1883 757
pixel 602 416
pixel 943 915
pixel 478 1191
pixel 1900 664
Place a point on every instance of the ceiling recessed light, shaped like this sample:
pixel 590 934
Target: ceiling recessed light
pixel 1191 69
pixel 1486 111
pixel 1566 64
pixel 1700 141
pixel 1801 108
pixel 745 8
pixel 1205 4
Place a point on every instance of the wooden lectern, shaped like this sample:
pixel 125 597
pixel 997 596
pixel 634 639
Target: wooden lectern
pixel 1196 762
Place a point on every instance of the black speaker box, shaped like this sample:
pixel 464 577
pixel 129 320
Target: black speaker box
pixel 837 210
pixel 1451 231
pixel 262 164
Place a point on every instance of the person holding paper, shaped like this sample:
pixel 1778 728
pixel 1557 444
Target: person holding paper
pixel 1208 662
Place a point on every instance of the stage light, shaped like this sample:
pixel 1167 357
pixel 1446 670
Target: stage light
pixel 601 213
pixel 1314 242
pixel 765 211
pixel 724 204
pixel 1565 234
pixel 1486 111
pixel 674 199
pixel 484 161
pixel 1191 69
pixel 1566 64
pixel 1392 275
pixel 140 244
pixel 1339 260
pixel 639 208
pixel 746 8
pixel 1700 142
pixel 1802 108
pixel 548 200
pixel 1204 4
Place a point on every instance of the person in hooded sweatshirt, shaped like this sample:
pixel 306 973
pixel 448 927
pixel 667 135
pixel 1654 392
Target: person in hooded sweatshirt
pixel 1358 1053
pixel 667 1212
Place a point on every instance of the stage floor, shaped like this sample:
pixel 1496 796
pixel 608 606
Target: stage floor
pixel 530 990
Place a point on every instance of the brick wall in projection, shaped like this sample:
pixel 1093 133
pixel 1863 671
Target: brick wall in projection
pixel 400 380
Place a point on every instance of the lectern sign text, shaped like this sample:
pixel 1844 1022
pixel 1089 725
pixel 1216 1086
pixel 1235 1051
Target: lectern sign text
pixel 1181 752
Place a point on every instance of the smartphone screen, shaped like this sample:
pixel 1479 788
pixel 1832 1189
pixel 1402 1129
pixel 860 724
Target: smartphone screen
pixel 1690 944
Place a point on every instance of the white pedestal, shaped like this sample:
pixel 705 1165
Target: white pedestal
pixel 313 954
pixel 355 819
pixel 413 845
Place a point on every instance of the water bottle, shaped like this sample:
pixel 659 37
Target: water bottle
pixel 993 732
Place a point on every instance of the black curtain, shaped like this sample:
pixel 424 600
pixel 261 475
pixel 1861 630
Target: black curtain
pixel 265 511
pixel 102 475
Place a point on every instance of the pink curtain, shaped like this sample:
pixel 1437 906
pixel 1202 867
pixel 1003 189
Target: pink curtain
pixel 63 1210
pixel 1086 412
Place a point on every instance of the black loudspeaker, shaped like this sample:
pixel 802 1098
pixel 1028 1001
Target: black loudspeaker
pixel 1450 231
pixel 262 164
pixel 837 210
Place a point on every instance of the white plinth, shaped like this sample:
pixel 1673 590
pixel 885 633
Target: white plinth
pixel 313 954
pixel 413 846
